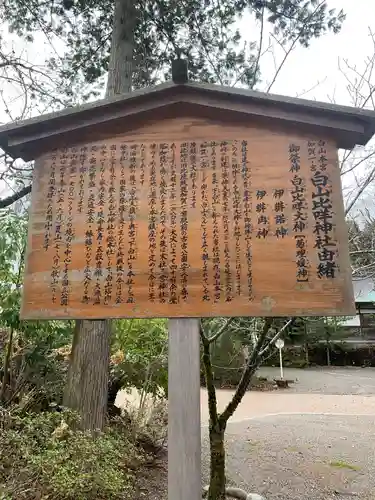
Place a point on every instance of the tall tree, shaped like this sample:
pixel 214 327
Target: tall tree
pixel 87 385
pixel 134 41
pixel 79 36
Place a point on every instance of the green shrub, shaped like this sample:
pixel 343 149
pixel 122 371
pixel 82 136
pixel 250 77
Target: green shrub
pixel 144 347
pixel 44 457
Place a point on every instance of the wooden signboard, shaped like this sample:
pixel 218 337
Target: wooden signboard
pixel 184 219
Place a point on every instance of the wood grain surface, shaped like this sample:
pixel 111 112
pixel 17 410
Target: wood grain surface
pixel 184 422
pixel 188 218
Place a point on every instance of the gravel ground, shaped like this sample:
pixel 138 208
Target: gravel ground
pixel 276 450
pixel 302 457
pixel 332 380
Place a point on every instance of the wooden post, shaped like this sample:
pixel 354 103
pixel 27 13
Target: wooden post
pixel 184 423
pixel 281 363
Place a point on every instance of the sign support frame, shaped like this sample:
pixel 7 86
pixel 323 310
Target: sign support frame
pixel 184 415
pixel 280 344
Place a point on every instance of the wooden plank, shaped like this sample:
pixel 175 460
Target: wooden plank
pixel 138 226
pixel 184 426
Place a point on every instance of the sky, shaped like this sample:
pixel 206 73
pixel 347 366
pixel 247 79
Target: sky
pixel 313 73
pixel 317 67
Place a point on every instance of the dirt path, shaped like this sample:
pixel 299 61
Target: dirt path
pixel 257 404
pixel 340 391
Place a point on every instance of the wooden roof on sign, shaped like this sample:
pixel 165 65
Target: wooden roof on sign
pixel 348 126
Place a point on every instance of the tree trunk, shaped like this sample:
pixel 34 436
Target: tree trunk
pixel 86 389
pixel 306 341
pixel 328 354
pixel 120 71
pixel 307 357
pixel 8 355
pixel 87 384
pixel 217 466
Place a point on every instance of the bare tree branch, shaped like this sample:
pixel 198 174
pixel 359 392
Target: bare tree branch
pixel 220 331
pixel 6 202
pixel 248 372
pixel 356 164
pixel 260 44
pixel 212 401
pixel 275 337
pixel 361 252
pixel 370 177
pixel 292 45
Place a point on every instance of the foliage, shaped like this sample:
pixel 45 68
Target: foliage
pixel 362 246
pixel 13 234
pixel 37 368
pixel 44 457
pixel 227 354
pixel 77 37
pixel 236 339
pixel 235 345
pixel 36 377
pixel 33 365
pixel 142 353
pixel 229 351
pixel 341 354
pixel 205 31
pixel 148 424
pixel 312 330
pixel 12 248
